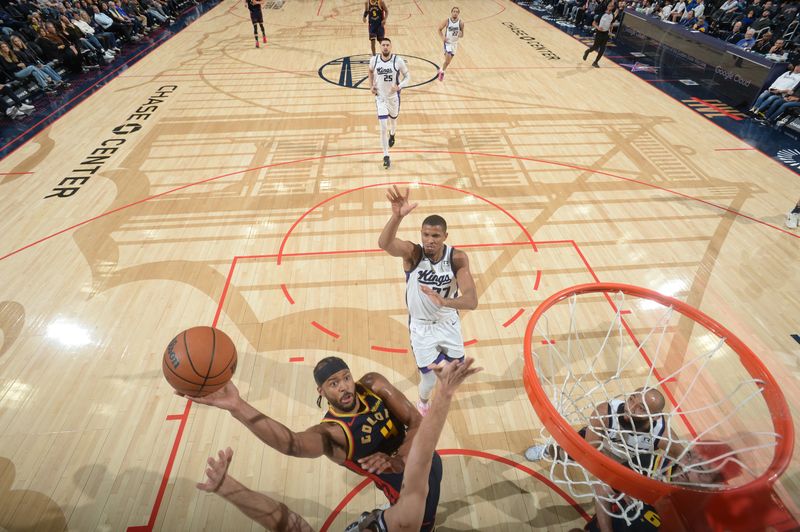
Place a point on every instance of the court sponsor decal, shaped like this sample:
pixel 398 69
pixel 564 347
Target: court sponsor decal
pixel 790 157
pixel 352 71
pixel 713 108
pixel 70 185
pixel 532 41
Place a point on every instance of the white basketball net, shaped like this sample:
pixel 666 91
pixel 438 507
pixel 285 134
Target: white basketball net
pixel 580 370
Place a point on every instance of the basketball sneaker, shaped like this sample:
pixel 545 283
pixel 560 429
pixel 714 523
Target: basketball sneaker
pixel 534 453
pixel 257 46
pixel 264 39
pixel 386 162
pixel 586 54
pixel 423 408
pixel 792 220
pixel 391 140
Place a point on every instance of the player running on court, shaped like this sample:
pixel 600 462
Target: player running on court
pixel 385 73
pixel 453 30
pixel 257 19
pixel 376 12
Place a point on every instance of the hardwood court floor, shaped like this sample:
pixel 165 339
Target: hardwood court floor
pixel 248 193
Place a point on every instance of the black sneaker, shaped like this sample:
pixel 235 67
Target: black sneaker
pixel 595 65
pixel 586 54
pixel 391 140
pixel 386 162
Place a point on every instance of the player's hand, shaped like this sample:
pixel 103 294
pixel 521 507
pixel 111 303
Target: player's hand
pixel 217 469
pixel 400 205
pixel 460 34
pixel 374 90
pixel 382 463
pixel 433 295
pixel 452 374
pixel 226 398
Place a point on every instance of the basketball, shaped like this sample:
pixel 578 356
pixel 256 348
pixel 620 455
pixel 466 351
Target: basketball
pixel 199 361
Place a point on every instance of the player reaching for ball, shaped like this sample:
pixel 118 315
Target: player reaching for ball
pixel 369 428
pixel 435 274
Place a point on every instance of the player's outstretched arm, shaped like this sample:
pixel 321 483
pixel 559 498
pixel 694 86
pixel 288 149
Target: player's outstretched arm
pixel 257 506
pixel 388 240
pixel 407 514
pixel 311 443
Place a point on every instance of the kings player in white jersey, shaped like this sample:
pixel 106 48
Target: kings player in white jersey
pixel 453 29
pixel 438 285
pixel 388 74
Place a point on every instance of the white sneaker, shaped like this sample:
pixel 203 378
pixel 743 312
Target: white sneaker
pixel 13 112
pixel 424 408
pixel 25 108
pixel 534 453
pixel 792 220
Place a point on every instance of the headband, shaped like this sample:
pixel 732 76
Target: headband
pixel 328 367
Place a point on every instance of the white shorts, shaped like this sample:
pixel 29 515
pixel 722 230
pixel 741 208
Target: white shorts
pixel 429 339
pixel 388 106
pixel 450 48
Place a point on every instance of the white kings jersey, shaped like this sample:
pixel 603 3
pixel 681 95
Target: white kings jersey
pixel 438 276
pixel 387 73
pixel 634 442
pixel 452 31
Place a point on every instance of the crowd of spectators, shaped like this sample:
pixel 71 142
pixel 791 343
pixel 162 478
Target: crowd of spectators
pixel 768 28
pixel 44 43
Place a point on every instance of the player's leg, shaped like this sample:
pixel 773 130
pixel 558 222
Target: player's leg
pixel 393 106
pixel 372 40
pixel 426 352
pixel 255 32
pixel 263 33
pixel 601 48
pixel 383 118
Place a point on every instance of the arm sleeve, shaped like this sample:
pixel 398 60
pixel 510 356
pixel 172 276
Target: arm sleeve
pixel 406 75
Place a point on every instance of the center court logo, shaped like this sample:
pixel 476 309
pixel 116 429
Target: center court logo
pixel 352 71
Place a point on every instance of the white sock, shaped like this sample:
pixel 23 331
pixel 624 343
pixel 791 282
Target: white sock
pixel 384 137
pixel 392 125
pixel 426 383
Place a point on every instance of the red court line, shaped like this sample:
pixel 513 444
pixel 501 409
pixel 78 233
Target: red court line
pixel 388 349
pixel 470 342
pixel 434 185
pixel 165 479
pixel 538 279
pixel 286 294
pixel 325 330
pixel 173 417
pixel 735 149
pixel 624 312
pixel 545 342
pixel 480 154
pixel 716 108
pixel 339 507
pixel 225 290
pixel 297 359
pixel 513 318
pixel 474 454
pixel 418 7
pixel 16 173
pixel 319 9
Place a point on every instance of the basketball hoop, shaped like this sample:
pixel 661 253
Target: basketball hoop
pixel 733 428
